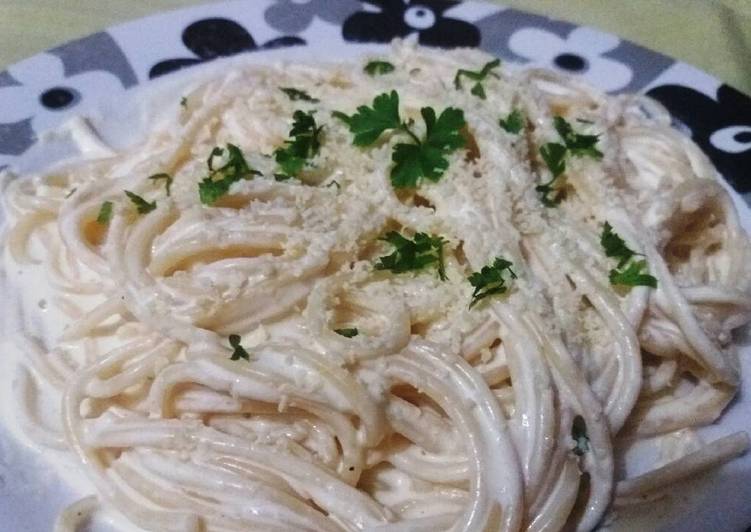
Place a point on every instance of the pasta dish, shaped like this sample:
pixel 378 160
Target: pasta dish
pixel 417 292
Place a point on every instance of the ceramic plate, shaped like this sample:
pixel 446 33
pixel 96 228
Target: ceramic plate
pixel 99 76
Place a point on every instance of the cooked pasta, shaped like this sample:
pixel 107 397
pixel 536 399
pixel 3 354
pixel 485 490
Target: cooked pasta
pixel 381 320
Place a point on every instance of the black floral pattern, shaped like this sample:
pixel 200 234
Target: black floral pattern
pixel 721 126
pixel 399 19
pixel 217 37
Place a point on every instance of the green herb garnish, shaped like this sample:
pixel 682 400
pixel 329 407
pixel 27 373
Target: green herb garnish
pixel 554 154
pixel 167 180
pixel 378 67
pixel 297 94
pixel 513 123
pixel 183 102
pixel 239 351
pixel 628 272
pixel 490 280
pixel 579 434
pixel 105 213
pixel 426 158
pixel 368 123
pixel 578 145
pixel 143 206
pixel 221 178
pixel 421 158
pixel 409 255
pixel 347 333
pixel 477 76
pixel 304 144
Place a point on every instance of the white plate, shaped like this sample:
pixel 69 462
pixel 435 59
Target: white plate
pixel 106 76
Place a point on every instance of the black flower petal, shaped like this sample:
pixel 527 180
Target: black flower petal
pixel 451 33
pixel 399 19
pixel 706 116
pixel 211 38
pixel 217 37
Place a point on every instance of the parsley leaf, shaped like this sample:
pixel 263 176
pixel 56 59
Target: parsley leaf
pixel 420 158
pixel 239 351
pixel 378 67
pixel 143 206
pixel 297 94
pixel 633 275
pixel 105 213
pixel 578 145
pixel 477 76
pixel 514 122
pixel 427 158
pixel 423 250
pixel 615 246
pixel 347 333
pixel 489 280
pixel 628 272
pixel 167 180
pixel 554 155
pixel 304 143
pixel 220 179
pixel 579 435
pixel 368 123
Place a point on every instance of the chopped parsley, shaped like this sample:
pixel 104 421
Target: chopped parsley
pixel 220 179
pixel 105 213
pixel 628 272
pixel 513 123
pixel 304 144
pixel 577 144
pixel 297 94
pixel 282 177
pixel 554 155
pixel 426 158
pixel 490 280
pixel 368 123
pixel 477 76
pixel 579 435
pixel 143 206
pixel 183 102
pixel 167 180
pixel 375 68
pixel 420 158
pixel 347 333
pixel 239 351
pixel 409 255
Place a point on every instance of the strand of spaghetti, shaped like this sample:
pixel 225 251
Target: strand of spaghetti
pixel 533 394
pixel 709 456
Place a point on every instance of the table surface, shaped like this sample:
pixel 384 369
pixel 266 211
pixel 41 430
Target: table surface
pixel 714 35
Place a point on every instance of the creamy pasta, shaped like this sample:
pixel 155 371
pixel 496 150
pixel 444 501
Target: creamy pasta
pixel 272 332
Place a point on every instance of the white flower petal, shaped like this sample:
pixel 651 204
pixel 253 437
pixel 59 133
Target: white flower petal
pixel 92 87
pixel 17 103
pixel 589 42
pixel 40 72
pixel 539 46
pixel 608 75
